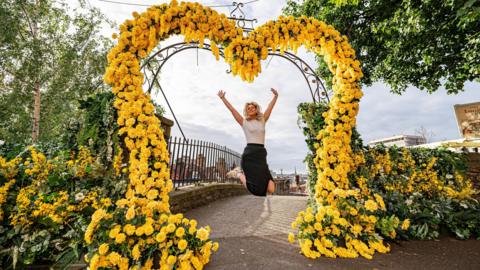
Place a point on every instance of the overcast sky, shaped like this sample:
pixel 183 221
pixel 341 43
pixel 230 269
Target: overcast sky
pixel 191 89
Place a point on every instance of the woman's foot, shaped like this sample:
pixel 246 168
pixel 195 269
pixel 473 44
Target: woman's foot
pixel 271 187
pixel 235 173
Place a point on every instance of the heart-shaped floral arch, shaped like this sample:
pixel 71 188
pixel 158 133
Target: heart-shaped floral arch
pixel 141 225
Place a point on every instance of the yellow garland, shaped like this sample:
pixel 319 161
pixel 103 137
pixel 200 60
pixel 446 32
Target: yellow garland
pixel 149 176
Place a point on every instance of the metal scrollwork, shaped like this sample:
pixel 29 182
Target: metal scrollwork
pixel 240 19
pixel 151 66
pixel 316 86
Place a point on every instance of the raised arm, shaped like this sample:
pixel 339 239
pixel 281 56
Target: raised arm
pixel 269 109
pixel 234 112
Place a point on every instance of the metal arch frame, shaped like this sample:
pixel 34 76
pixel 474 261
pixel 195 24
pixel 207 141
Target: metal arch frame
pixel 315 84
pixel 240 18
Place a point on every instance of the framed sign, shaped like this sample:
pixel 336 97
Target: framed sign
pixel 468 120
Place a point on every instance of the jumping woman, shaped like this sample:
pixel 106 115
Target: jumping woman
pixel 254 173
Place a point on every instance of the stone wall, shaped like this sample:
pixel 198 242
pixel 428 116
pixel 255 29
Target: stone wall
pixel 188 198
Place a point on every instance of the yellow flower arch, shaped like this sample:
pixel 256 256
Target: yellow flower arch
pixel 142 220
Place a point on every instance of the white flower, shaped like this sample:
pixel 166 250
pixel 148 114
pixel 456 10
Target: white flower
pixel 2 142
pixel 79 197
pixel 408 202
pixel 449 176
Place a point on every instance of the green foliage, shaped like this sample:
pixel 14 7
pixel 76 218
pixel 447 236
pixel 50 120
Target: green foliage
pixel 387 224
pixel 44 240
pixel 94 126
pixel 430 211
pixel 419 43
pixel 45 45
pixel 311 122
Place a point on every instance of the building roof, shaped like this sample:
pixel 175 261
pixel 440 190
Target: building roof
pixel 396 137
pixel 457 145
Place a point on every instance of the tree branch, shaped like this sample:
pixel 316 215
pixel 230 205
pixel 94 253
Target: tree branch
pixel 29 21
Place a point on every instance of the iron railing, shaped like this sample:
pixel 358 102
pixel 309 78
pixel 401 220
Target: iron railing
pixel 195 161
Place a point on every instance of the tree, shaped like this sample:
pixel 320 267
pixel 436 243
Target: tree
pixel 50 57
pixel 426 134
pixel 407 42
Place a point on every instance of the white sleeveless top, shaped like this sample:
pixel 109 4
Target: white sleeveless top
pixel 254 131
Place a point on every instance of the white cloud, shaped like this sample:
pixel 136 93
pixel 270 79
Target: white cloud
pixel 192 89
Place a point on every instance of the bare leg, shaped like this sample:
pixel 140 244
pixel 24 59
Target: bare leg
pixel 271 187
pixel 243 179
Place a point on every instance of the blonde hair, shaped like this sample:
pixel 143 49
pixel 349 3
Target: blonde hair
pixel 259 110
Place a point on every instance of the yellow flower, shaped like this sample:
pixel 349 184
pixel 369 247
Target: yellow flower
pixel 291 238
pixel 140 231
pixel 371 205
pixel 148 229
pixel 94 262
pixel 120 238
pixel 152 194
pixel 136 252
pixel 356 229
pixel 309 217
pixel 114 232
pixel 294 225
pixel 182 244
pixel 180 232
pixel 196 263
pixel 129 229
pixel 380 201
pixel 405 224
pixel 161 237
pixel 171 259
pixel 202 234
pixel 114 258
pixel 171 227
pixel 215 246
pixel 130 213
pixel 103 249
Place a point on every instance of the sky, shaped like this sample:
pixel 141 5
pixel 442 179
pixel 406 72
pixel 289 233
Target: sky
pixel 192 79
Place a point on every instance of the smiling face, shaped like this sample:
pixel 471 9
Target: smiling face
pixel 252 111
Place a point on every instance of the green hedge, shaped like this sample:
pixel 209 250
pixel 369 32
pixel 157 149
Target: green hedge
pixel 426 186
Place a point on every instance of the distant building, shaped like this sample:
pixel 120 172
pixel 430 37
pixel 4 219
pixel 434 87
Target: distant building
pixel 400 140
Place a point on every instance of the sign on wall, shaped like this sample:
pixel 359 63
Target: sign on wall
pixel 468 120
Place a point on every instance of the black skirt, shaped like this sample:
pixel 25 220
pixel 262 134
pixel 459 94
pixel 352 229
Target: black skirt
pixel 255 167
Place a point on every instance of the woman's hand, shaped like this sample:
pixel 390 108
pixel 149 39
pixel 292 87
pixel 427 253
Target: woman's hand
pixel 234 112
pixel 269 109
pixel 275 93
pixel 221 94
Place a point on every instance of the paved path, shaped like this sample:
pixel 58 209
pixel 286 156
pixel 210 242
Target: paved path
pixel 252 232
